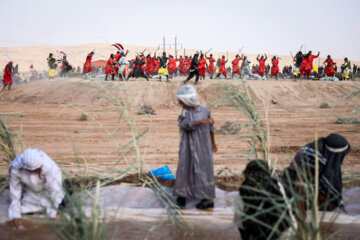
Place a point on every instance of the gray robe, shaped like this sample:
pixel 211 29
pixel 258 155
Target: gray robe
pixel 195 171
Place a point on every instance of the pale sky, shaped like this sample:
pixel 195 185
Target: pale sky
pixel 260 26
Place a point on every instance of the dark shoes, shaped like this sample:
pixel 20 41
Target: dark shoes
pixel 181 202
pixel 205 204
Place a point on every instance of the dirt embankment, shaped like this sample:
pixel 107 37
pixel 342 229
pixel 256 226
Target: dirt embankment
pixel 48 123
pixel 98 93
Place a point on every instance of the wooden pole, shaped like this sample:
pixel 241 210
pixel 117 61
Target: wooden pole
pixel 175 47
pixel 163 44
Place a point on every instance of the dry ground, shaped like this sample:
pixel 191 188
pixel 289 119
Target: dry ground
pixel 50 111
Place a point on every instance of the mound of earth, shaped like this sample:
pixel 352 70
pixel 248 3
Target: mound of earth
pixel 138 93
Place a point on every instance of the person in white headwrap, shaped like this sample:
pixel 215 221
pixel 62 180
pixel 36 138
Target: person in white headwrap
pixel 35 185
pixel 195 171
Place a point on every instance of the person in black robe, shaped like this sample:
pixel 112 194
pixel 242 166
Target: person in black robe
pixel 138 70
pixel 194 71
pixel 300 175
pixel 66 68
pixel 262 211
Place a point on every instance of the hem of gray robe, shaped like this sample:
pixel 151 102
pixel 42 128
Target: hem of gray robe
pixel 206 191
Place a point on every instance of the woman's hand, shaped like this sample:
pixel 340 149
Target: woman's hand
pixel 15 222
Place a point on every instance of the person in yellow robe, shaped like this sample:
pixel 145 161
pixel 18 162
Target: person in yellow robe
pixel 52 62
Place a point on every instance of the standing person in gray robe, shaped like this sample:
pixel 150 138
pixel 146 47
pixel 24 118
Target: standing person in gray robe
pixel 195 171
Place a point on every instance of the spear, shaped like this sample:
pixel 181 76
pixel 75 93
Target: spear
pixel 301 47
pixel 208 51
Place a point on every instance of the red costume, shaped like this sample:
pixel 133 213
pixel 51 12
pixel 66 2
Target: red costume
pixel 157 65
pixel 329 70
pixel 87 65
pixel 172 65
pixel 303 66
pixel 202 64
pixel 181 65
pixel 150 65
pixel 211 66
pixel 262 66
pixel 7 74
pixel 235 67
pixel 110 67
pixel 188 64
pixel 222 69
pixel 275 67
pixel 309 64
pixel 116 67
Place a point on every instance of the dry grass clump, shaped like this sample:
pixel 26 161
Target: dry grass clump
pixel 324 105
pixel 229 128
pixel 344 120
pixel 258 138
pixel 83 117
pixel 7 143
pixel 147 110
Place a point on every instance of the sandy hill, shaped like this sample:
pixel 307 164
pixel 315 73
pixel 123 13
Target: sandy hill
pixel 37 55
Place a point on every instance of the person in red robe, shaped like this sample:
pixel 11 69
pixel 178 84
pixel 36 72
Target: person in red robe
pixel 150 64
pixel 235 66
pixel 8 81
pixel 184 66
pixel 181 65
pixel 157 65
pixel 202 66
pixel 262 64
pixel 211 67
pixel 87 66
pixel 275 67
pixel 188 64
pixel 117 59
pixel 222 69
pixel 309 63
pixel 110 70
pixel 172 66
pixel 329 69
pixel 304 65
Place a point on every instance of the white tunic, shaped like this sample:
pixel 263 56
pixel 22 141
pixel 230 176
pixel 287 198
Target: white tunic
pixel 33 192
pixel 122 63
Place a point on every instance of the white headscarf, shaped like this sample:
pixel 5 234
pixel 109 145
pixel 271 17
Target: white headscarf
pixel 187 95
pixel 31 159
